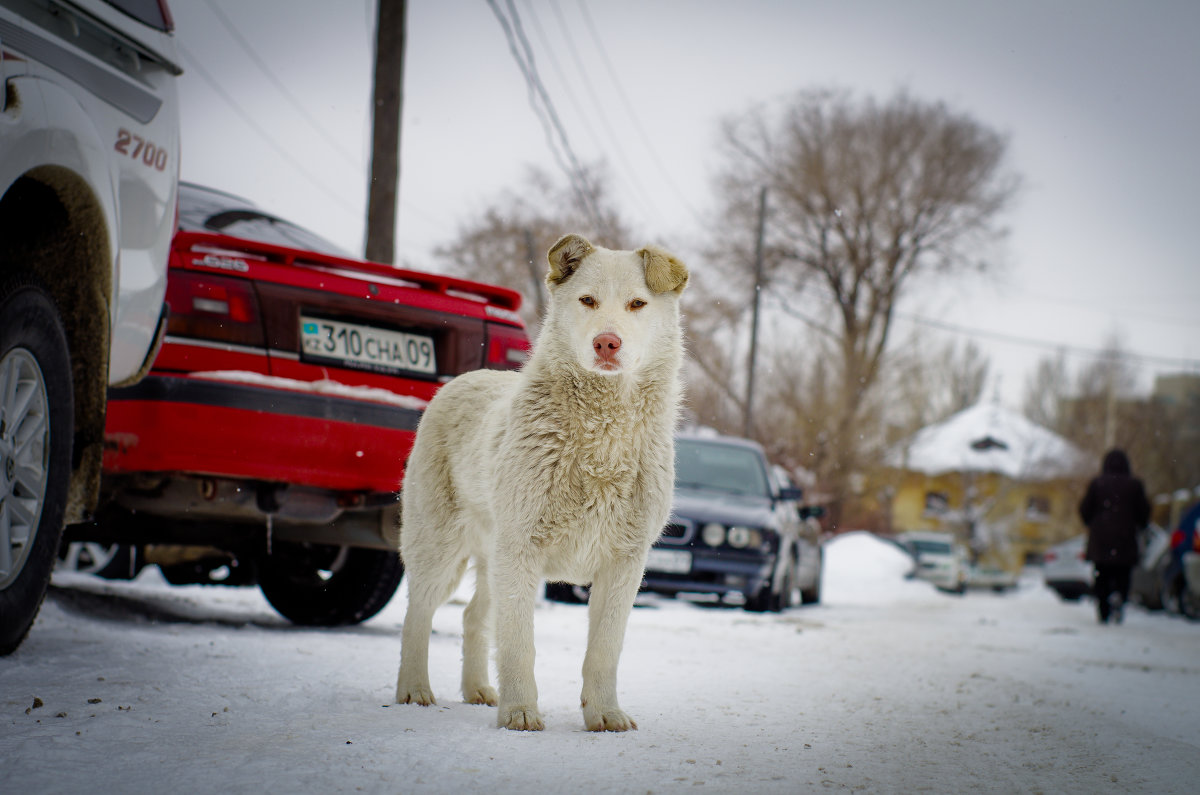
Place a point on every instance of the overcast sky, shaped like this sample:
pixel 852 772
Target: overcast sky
pixel 1100 101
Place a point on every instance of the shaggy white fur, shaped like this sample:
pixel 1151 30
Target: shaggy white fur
pixel 563 471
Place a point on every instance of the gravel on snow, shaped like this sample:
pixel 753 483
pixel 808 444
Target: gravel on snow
pixel 886 686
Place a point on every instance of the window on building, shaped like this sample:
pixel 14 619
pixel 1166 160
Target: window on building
pixel 1037 508
pixel 937 503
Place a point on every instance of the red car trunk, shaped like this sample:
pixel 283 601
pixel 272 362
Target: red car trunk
pixel 297 367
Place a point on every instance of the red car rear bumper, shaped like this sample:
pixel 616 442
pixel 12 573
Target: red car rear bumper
pixel 234 429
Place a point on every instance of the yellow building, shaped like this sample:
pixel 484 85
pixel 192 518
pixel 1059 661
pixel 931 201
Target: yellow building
pixel 1006 487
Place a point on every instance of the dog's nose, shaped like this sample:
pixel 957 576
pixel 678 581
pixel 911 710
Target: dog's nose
pixel 606 346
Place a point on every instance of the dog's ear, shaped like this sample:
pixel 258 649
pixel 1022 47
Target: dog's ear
pixel 565 256
pixel 665 273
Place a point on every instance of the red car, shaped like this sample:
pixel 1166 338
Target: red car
pixel 267 444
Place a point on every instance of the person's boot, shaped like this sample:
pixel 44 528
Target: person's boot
pixel 1116 607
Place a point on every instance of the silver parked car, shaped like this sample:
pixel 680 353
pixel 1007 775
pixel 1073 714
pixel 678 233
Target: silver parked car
pixel 1065 570
pixel 1148 579
pixel 940 559
pixel 811 565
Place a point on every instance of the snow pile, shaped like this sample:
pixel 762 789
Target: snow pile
pixel 990 438
pixel 322 387
pixel 862 569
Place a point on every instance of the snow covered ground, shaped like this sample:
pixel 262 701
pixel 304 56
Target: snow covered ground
pixel 888 686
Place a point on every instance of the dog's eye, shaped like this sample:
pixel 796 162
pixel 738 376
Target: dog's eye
pixel 636 304
pixel 588 301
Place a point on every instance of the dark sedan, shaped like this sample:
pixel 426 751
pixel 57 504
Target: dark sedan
pixel 732 531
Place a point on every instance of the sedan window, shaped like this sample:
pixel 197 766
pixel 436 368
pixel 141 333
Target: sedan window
pixel 268 229
pixel 205 210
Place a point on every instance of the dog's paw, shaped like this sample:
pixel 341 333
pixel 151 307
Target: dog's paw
pixel 612 719
pixel 522 719
pixel 481 694
pixel 414 694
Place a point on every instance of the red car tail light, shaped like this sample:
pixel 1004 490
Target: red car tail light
pixel 213 308
pixel 507 347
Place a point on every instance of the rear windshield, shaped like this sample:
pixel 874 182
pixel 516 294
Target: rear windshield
pixel 713 466
pixel 936 547
pixel 205 210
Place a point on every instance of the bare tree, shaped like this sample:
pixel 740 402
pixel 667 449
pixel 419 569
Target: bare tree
pixel 1045 392
pixel 926 385
pixel 507 242
pixel 965 374
pixel 1100 408
pixel 1104 410
pixel 863 198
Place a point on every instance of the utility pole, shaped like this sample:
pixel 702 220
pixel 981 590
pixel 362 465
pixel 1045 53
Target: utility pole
pixel 388 96
pixel 535 274
pixel 748 422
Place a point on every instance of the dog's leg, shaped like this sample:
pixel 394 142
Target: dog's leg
pixel 429 586
pixel 475 686
pixel 613 591
pixel 514 587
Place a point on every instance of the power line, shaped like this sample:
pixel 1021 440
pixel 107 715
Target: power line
pixel 996 336
pixel 1033 342
pixel 633 116
pixel 826 294
pixel 280 86
pixel 533 99
pixel 557 67
pixel 545 111
pixel 585 188
pixel 1090 305
pixel 296 163
pixel 614 140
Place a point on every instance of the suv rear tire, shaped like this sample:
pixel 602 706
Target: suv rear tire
pixel 327 586
pixel 37 419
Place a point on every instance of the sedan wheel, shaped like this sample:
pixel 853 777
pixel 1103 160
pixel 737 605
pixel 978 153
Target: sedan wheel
pixel 321 585
pixel 1189 602
pixel 1169 594
pixel 110 561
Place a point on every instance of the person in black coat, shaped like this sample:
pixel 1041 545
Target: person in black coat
pixel 1114 509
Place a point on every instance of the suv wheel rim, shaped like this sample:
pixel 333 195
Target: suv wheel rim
pixel 24 445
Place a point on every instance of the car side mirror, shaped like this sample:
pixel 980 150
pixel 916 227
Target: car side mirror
pixel 811 511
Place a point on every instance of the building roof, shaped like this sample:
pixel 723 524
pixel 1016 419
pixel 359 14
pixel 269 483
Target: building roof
pixel 990 438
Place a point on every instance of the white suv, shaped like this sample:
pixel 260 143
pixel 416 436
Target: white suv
pixel 89 165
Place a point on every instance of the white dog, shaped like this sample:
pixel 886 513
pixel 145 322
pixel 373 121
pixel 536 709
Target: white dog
pixel 563 471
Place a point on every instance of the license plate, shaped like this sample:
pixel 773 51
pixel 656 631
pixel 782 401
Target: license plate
pixel 669 561
pixel 366 346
